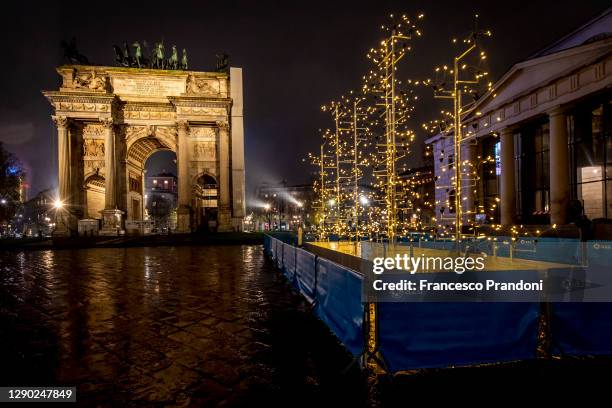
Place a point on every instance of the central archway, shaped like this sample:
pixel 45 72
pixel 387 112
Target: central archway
pixel 142 144
pixel 161 190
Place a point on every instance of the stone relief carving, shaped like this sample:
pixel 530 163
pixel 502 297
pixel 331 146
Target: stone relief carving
pixel 136 132
pixel 90 80
pixel 182 125
pixel 198 86
pixel 197 168
pixel 60 121
pixel 202 111
pixel 93 148
pixel 107 123
pixel 166 134
pixel 202 132
pixel 93 166
pixel 148 114
pixel 93 131
pixel 203 151
pixel 82 106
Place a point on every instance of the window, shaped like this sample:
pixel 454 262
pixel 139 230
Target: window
pixel 490 179
pixel 135 185
pixel 591 155
pixel 533 168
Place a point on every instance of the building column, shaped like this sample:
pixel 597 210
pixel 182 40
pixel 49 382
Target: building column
pixel 110 195
pixel 143 195
pixel 111 216
pixel 559 167
pixel 224 214
pixel 468 181
pixel 183 224
pixel 76 172
pixel 508 192
pixel 63 218
pixel 237 149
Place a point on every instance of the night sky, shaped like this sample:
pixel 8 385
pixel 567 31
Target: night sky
pixel 295 57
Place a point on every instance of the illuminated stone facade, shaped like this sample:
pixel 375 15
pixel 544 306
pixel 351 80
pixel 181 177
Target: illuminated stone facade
pixel 546 123
pixel 110 120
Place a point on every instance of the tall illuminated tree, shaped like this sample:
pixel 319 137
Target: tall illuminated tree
pixel 323 162
pixel 390 112
pixel 463 83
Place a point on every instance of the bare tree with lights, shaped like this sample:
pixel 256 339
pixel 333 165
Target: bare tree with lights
pixel 465 79
pixel 389 112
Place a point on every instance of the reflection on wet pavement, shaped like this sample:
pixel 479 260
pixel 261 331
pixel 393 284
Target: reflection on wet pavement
pixel 166 326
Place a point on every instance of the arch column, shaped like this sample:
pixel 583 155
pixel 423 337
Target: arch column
pixel 64 220
pixel 143 203
pixel 111 216
pixel 184 186
pixel 224 213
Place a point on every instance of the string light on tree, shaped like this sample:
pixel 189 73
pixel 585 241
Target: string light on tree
pixel 391 108
pixel 464 78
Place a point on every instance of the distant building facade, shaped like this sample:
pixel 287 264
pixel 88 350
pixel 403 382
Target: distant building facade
pixel 546 129
pixel 283 207
pixel 37 216
pixel 161 199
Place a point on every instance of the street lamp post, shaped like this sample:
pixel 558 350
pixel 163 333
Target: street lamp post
pixel 268 207
pixel 58 206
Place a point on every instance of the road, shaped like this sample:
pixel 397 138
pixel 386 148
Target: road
pixel 167 326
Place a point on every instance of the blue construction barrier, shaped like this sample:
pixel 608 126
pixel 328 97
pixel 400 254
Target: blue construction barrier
pixel 435 335
pixel 599 253
pixel 279 254
pixel 431 335
pixel 338 294
pixel 442 245
pixel 566 251
pixel 287 237
pixel 305 274
pixel 580 329
pixel 273 254
pixel 289 261
pixel 267 245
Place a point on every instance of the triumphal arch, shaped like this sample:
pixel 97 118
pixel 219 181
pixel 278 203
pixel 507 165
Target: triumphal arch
pixel 111 119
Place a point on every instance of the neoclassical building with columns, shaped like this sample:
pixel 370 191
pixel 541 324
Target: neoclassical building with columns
pixel 111 119
pixel 547 124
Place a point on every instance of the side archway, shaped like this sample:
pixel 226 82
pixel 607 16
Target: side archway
pixel 94 195
pixel 138 152
pixel 205 202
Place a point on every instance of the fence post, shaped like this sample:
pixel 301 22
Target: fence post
pixel 373 359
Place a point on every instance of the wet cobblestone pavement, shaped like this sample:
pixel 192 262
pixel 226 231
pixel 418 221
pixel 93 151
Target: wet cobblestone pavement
pixel 167 326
